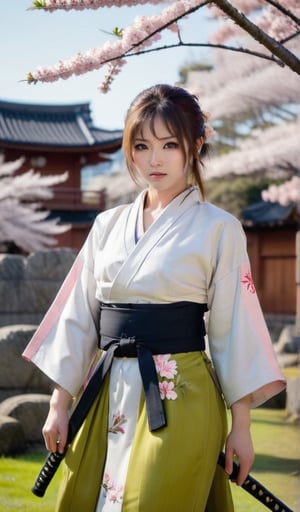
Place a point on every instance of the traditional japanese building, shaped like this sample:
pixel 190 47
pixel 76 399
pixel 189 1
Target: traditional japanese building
pixel 54 139
pixel 271 237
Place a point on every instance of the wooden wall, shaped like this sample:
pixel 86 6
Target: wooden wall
pixel 273 260
pixel 75 237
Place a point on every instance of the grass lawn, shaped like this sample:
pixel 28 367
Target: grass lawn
pixel 17 476
pixel 277 467
pixel 277 461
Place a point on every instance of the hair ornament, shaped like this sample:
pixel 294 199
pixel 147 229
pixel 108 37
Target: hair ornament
pixel 209 131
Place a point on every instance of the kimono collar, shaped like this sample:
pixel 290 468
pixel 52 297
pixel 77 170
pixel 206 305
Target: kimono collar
pixel 138 252
pixel 135 217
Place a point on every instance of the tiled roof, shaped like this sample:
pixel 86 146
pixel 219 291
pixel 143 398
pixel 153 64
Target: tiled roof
pixel 53 126
pixel 74 217
pixel 265 212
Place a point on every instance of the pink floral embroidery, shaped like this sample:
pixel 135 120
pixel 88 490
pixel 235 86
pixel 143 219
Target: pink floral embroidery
pixel 165 367
pixel 167 390
pixel 248 281
pixel 118 420
pixel 112 491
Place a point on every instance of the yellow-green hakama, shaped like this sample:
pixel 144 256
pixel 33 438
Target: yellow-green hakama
pixel 172 469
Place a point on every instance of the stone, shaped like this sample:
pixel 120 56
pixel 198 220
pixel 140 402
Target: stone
pixel 49 265
pixel 28 285
pixel 293 397
pixel 30 411
pixel 12 267
pixel 15 372
pixel 288 342
pixel 12 438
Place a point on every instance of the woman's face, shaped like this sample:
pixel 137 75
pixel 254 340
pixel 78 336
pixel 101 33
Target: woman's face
pixel 159 159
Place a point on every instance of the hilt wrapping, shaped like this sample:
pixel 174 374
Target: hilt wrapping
pixel 47 472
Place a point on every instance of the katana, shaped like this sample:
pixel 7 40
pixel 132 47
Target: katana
pixel 256 489
pixel 251 485
pixel 53 460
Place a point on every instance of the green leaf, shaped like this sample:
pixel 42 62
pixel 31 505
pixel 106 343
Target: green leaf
pixel 39 4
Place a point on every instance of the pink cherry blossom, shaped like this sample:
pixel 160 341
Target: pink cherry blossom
pixel 113 491
pixel 80 5
pixel 165 367
pixel 167 390
pixel 271 20
pixel 286 193
pixel 115 494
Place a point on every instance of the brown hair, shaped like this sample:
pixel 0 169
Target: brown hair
pixel 181 113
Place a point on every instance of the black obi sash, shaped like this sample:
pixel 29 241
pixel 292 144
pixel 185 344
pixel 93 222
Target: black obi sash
pixel 143 330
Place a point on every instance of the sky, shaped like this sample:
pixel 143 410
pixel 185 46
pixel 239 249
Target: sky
pixel 29 39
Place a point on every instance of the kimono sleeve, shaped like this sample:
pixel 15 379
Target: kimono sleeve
pixel 239 341
pixel 66 340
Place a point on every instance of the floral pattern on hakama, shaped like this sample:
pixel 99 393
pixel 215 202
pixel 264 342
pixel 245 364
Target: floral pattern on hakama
pixel 124 404
pixel 167 368
pixel 113 492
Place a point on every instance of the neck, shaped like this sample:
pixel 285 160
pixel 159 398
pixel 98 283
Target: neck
pixel 154 203
pixel 156 200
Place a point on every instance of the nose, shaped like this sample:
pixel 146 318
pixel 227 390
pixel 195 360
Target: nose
pixel 155 158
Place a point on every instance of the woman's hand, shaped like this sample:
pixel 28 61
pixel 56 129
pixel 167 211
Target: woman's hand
pixel 239 441
pixel 55 429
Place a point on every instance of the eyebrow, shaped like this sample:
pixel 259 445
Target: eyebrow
pixel 159 138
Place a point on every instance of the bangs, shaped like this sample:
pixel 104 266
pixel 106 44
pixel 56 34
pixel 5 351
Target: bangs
pixel 166 116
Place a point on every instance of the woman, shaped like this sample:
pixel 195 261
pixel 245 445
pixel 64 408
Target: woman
pixel 143 280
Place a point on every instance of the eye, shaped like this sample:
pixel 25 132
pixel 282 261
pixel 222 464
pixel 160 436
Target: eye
pixel 140 146
pixel 171 145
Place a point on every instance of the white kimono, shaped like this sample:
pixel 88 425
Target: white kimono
pixel 194 252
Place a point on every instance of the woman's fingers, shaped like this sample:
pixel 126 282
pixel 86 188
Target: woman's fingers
pixel 55 435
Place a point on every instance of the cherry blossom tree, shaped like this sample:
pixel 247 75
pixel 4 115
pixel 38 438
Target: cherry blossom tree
pixel 254 105
pixel 22 221
pixel 277 23
pixel 262 153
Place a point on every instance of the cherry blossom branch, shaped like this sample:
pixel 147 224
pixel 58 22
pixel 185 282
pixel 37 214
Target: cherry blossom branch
pixel 275 47
pixel 68 5
pixel 207 45
pixel 144 32
pixel 119 62
pixel 147 30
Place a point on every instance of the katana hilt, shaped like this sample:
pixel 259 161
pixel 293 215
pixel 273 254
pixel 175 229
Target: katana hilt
pixel 47 472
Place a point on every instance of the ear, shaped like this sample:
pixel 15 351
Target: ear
pixel 199 143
